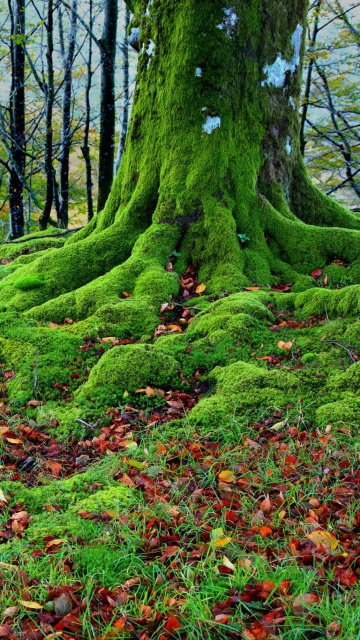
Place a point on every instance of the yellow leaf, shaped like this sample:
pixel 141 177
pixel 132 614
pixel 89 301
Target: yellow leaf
pixel 285 345
pixel 111 339
pixel 30 605
pixel 227 476
pixel 219 539
pixel 324 537
pixel 14 440
pixel 200 288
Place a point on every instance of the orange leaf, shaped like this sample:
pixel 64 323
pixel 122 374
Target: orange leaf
pixel 200 288
pixel 251 288
pixel 265 532
pixel 175 327
pixel 227 476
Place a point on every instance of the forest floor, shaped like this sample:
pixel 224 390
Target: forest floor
pixel 150 525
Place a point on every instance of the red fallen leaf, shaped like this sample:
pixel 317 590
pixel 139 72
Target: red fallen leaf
pixel 75 376
pixel 169 552
pixel 317 273
pixel 71 622
pixel 125 294
pixel 265 532
pixel 175 404
pixel 129 584
pixel 303 602
pixel 282 288
pixel 172 624
pixel 8 375
pixel 87 515
pixel 5 631
pixel 222 618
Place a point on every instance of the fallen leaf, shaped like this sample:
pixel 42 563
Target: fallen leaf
pixel 200 288
pixel 172 624
pixel 265 532
pixel 219 539
pixel 251 288
pixel 317 273
pixel 285 345
pixel 175 327
pixel 5 631
pixel 55 543
pixel 302 603
pixel 227 476
pixel 30 605
pixel 63 605
pixel 3 498
pixel 228 564
pixel 324 537
pixel 55 467
pixel 11 612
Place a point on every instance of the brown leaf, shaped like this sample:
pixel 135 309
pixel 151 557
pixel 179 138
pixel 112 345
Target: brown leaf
pixel 63 605
pixel 251 288
pixel 303 602
pixel 5 631
pixel 285 345
pixel 317 273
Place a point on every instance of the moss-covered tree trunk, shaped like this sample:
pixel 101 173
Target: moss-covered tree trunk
pixel 212 153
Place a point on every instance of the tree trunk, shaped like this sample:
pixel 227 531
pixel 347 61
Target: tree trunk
pixel 107 106
pixel 212 156
pixel 68 61
pixel 126 93
pixel 49 97
pixel 17 121
pixel 85 149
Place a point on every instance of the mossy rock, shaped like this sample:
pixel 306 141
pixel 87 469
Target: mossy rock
pixel 130 367
pixel 242 387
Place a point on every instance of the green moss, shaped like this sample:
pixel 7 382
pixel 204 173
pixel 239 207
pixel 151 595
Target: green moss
pixel 27 283
pixel 129 368
pixel 345 410
pixel 241 388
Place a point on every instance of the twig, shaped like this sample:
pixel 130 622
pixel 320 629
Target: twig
pixel 343 346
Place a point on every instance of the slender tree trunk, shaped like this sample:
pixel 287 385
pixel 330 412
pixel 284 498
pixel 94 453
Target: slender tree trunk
pixel 107 106
pixel 85 148
pixel 17 121
pixel 49 98
pixel 68 62
pixel 308 83
pixel 126 93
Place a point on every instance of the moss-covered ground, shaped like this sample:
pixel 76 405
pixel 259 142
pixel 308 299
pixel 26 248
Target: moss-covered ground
pixel 162 469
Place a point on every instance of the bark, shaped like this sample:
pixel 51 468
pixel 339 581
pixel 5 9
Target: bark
pixel 49 100
pixel 17 120
pixel 308 82
pixel 107 102
pixel 126 93
pixel 68 61
pixel 85 149
pixel 212 153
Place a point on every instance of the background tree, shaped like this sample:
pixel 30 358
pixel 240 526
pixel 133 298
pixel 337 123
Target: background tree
pixel 329 115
